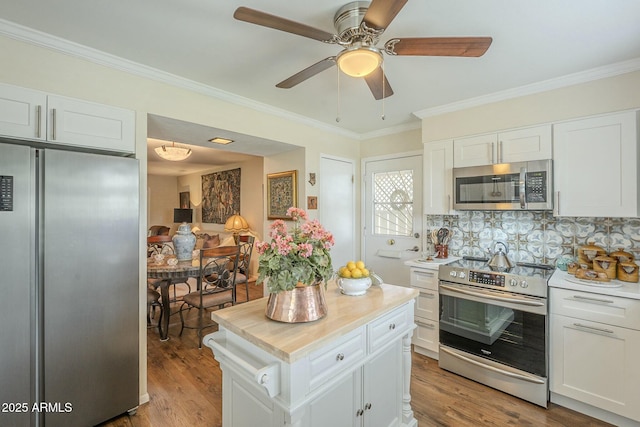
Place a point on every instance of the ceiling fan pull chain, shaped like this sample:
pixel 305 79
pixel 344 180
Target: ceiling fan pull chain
pixel 338 100
pixel 383 84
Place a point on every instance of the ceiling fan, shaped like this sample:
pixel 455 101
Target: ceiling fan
pixel 359 25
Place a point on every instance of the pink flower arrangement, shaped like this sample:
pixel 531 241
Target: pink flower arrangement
pixel 298 257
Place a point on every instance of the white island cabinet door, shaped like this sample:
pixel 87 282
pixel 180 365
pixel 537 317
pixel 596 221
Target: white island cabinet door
pixel 595 165
pixel 86 124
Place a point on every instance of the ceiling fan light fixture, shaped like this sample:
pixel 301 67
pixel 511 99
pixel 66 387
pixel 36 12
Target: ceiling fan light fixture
pixel 173 152
pixel 358 60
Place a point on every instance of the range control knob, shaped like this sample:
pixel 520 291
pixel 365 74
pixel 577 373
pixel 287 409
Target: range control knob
pixel 461 275
pixel 513 282
pixel 524 284
pixel 453 273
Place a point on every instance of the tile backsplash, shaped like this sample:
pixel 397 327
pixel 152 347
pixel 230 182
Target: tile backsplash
pixel 533 236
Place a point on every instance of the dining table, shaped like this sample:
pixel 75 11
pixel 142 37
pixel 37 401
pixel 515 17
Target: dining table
pixel 167 275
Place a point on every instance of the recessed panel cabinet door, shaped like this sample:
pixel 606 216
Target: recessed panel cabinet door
pixel 596 166
pixel 22 113
pixel 86 124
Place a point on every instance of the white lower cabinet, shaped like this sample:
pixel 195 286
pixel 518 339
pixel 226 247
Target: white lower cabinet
pixel 427 314
pixel 595 354
pixel 359 379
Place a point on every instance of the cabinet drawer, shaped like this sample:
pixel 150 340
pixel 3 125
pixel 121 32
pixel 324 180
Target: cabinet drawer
pixel 389 326
pixel 610 310
pixel 426 334
pixel 424 279
pixel 427 304
pixel 342 354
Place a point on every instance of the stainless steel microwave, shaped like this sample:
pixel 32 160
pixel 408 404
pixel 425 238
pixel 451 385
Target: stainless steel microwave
pixel 505 186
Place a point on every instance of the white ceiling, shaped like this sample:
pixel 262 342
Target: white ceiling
pixel 533 42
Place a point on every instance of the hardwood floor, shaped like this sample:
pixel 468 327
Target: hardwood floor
pixel 185 389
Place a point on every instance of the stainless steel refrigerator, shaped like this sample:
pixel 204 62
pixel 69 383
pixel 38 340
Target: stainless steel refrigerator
pixel 68 286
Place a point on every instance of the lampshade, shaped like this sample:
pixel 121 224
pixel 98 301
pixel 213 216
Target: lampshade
pixel 182 215
pixel 236 224
pixel 173 152
pixel 359 60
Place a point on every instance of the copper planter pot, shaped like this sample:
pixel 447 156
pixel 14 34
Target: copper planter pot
pixel 299 305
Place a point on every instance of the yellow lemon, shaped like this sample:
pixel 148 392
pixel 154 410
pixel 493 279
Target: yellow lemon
pixel 342 270
pixel 360 265
pixel 346 273
pixel 365 272
pixel 351 265
pixel 356 273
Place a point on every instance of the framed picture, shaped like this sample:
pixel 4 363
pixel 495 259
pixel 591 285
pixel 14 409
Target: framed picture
pixel 312 202
pixel 282 194
pixel 184 200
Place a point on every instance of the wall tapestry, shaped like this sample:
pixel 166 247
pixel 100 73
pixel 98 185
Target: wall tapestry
pixel 220 196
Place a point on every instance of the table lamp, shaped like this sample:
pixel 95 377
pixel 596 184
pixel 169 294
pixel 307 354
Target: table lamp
pixel 236 225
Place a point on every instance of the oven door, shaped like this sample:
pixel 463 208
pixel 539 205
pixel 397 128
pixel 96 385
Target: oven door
pixel 505 328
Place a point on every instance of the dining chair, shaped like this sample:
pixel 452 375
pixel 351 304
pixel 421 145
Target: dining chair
pixel 216 286
pixel 153 301
pixel 162 244
pixel 246 249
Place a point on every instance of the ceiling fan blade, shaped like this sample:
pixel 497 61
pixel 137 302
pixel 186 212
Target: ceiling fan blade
pixel 307 73
pixel 381 13
pixel 378 84
pixel 266 20
pixel 439 46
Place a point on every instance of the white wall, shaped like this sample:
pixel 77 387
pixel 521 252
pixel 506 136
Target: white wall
pixel 601 96
pixel 163 198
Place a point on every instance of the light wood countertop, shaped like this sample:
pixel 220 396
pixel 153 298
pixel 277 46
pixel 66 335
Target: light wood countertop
pixel 293 341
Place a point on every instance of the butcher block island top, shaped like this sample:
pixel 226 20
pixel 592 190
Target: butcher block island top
pixel 292 341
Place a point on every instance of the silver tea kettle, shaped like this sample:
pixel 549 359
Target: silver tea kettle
pixel 499 260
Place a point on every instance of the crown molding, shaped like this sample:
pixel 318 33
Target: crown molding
pixel 38 38
pixel 610 70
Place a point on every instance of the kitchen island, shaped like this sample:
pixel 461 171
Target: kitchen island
pixel 350 368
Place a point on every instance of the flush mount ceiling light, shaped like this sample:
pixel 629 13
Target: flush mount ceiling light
pixel 173 152
pixel 359 60
pixel 220 140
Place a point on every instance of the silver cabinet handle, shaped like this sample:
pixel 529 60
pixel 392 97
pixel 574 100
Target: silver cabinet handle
pixel 367 406
pixel 53 124
pixel 606 331
pixel 587 299
pixel 523 188
pixel 359 413
pixel 426 325
pixel 413 249
pixel 556 208
pixel 392 326
pixel 427 295
pixel 38 118
pixel 500 159
pixel 340 356
pixel 493 154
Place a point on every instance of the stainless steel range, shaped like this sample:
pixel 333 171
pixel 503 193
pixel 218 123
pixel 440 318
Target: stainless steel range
pixel 493 326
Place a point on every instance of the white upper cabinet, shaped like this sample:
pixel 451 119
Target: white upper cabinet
pixel 34 115
pixel 518 145
pixel 22 113
pixel 596 166
pixel 438 177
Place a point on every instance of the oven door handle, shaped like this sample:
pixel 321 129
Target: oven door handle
pixel 487 295
pixel 493 368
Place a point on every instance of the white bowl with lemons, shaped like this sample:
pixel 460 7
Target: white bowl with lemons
pixel 353 279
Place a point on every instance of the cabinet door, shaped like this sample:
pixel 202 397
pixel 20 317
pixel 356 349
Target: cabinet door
pixel 383 388
pixel 342 402
pixel 523 145
pixel 596 364
pixel 596 166
pixel 438 177
pixel 22 112
pixel 475 150
pixel 85 124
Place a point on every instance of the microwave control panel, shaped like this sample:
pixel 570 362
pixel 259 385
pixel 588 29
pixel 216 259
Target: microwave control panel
pixel 536 187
